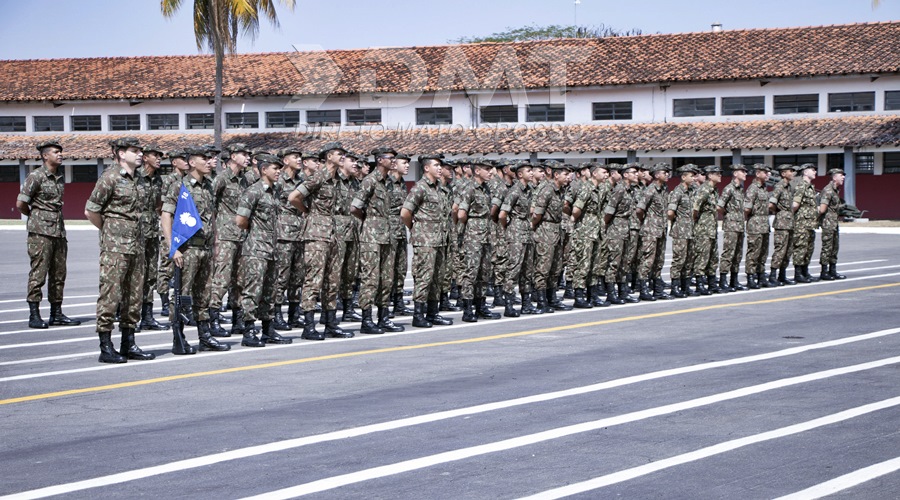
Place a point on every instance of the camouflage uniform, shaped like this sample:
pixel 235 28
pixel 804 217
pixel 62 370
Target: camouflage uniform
pixel 756 201
pixel 830 197
pixel 346 231
pixel 227 190
pixel 321 267
pixel 633 244
pixel 257 269
pixel 732 202
pixel 398 195
pixel 782 197
pixel 601 262
pixel 166 265
pixel 682 232
pixel 547 202
pixel 653 233
pixel 430 206
pixel 519 239
pixel 475 200
pixel 806 220
pixel 620 210
pixel 705 241
pixel 152 196
pixel 586 236
pixel 47 244
pixel 498 243
pixel 376 253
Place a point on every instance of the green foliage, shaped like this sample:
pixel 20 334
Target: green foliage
pixel 534 32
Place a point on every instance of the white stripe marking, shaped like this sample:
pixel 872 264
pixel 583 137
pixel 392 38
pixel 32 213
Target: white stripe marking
pixel 846 481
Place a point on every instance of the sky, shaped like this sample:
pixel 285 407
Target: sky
pixel 41 29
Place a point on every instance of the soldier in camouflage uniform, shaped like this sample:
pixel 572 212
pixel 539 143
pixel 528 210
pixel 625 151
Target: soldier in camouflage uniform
pixel 830 204
pixel 756 212
pixel 257 213
pixel 546 214
pixel 601 262
pixel 426 212
pixel 731 210
pixel 322 272
pixel 152 196
pixel 288 257
pixel 227 190
pixel 633 244
pixel 41 200
pixel 806 220
pixel 114 207
pixel 651 210
pixel 780 205
pixel 194 256
pixel 166 266
pixel 346 230
pixel 705 241
pixel 617 217
pixel 518 240
pixel 463 178
pixel 445 272
pixel 679 212
pixel 499 186
pixel 587 216
pixel 399 241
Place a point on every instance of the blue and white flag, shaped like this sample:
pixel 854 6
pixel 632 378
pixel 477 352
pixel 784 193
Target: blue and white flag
pixel 187 220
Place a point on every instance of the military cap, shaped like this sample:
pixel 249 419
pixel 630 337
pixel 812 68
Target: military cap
pixel 713 169
pixel 482 162
pixel 125 142
pixel 402 156
pixel 211 150
pixel 834 171
pixel 268 158
pixel 738 166
pixel 761 167
pixel 515 165
pixel 331 146
pixel 306 155
pixel 48 144
pixel 439 157
pixel 196 151
pixel 807 165
pixel 635 165
pixel 351 154
pixel 786 166
pixel 237 147
pixel 154 149
pixel 659 167
pixel 502 162
pixel 289 150
pixel 449 163
pixel 383 150
pixel 259 151
pixel 177 153
pixel 690 168
pixel 555 166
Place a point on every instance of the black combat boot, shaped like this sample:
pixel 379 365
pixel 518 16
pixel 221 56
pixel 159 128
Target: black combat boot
pixel 432 308
pixel 676 289
pixel 799 277
pixel 612 296
pixel 385 323
pixel 773 278
pixel 581 301
pixel 528 305
pixel 489 289
pixel 812 279
pixel 148 322
pixel 723 284
pixel 108 353
pixel 499 298
pixel 278 321
pixel 712 284
pixel 568 291
pixel 130 350
pixel 269 335
pixel 180 345
pixel 215 324
pixel 419 321
pixel 207 342
pixel 735 284
pixel 164 300
pixel 454 291
pixel 596 298
pixel 701 285
pixel 659 290
pixel 368 326
pixel 187 312
pixel 309 327
pixel 554 301
pixel 686 287
pixel 832 269
pixel 57 318
pixel 825 275
pixel 295 315
pixel 445 304
pixel 249 338
pixel 646 294
pixel 400 308
pixel 237 322
pixel 783 279
pixel 331 326
pixel 751 281
pixel 468 315
pixel 35 321
pixel 349 314
pixel 483 311
pixel 762 280
pixel 624 296
pixel 509 309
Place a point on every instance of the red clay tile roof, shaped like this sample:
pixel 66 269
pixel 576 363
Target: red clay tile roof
pixel 872 48
pixel 745 135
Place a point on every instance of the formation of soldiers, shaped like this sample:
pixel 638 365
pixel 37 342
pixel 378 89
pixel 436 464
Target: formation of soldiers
pixel 327 231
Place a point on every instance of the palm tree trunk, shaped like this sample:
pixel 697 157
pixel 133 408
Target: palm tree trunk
pixel 217 101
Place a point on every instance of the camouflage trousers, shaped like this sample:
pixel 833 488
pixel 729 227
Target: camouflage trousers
pixel 477 271
pixel 257 278
pixel 350 268
pixel 757 251
pixel 48 263
pixel 601 262
pixel 681 264
pixel 732 252
pixel 401 265
pixel 196 279
pixel 151 263
pixel 706 256
pixel 781 253
pixel 166 267
pixel 288 271
pixel 499 255
pixel 427 263
pixel 584 250
pixel 547 260
pixel 226 259
pixel 376 263
pixel 653 253
pixel 804 244
pixel 831 243
pixel 448 270
pixel 322 274
pixel 520 261
pixel 121 286
pixel 632 251
pixel 618 262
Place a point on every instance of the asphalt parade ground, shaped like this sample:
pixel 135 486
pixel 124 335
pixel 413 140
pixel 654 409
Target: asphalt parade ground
pixel 781 392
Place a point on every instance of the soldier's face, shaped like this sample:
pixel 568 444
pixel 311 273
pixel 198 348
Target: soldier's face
pixel 311 164
pixel 133 157
pixel 483 174
pixel 180 164
pixel 740 175
pixel 615 175
pixel 687 177
pixel 838 179
pixel 762 176
pixel 809 173
pixel 661 175
pixel 241 158
pixel 432 169
pixel 715 178
pixel 200 164
pixel 52 155
pixel 151 160
pixel 401 166
pixel 787 174
pixel 270 172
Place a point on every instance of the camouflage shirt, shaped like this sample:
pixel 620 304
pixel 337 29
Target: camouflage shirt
pixel 621 207
pixel 831 198
pixel 653 202
pixel 318 192
pixel 43 193
pixel 548 202
pixel 260 205
pixel 429 203
pixel 116 197
pixel 587 199
pixel 475 200
pixel 173 177
pixel 151 192
pixel 517 204
pixel 398 195
pixel 637 194
pixel 807 216
pixel 205 201
pixel 227 190
pixel 374 200
pixel 290 225
pixel 680 203
pixel 782 197
pixel 757 201
pixel 346 226
pixel 732 201
pixel 705 204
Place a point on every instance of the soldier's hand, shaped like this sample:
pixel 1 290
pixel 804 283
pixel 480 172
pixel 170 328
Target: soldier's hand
pixel 178 258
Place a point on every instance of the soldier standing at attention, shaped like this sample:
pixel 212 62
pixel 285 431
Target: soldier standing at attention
pixel 705 241
pixel 679 212
pixel 780 205
pixel 194 256
pixel 41 200
pixel 472 229
pixel 288 257
pixel 372 205
pixel 633 245
pixel 346 231
pixel 617 217
pixel 546 214
pixel 444 274
pixel 499 249
pixel 114 207
pixel 829 205
pixel 806 220
pixel 426 212
pixel 731 209
pixel 152 196
pixel 651 210
pixel 514 220
pixel 398 193
pixel 756 211
pixel 166 266
pixel 227 189
pixel 587 216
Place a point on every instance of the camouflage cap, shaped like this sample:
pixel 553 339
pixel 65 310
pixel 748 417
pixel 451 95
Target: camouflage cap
pixel 402 156
pixel 613 167
pixel 690 168
pixel 211 150
pixel 737 166
pixel 153 148
pixel 635 165
pixel 835 171
pixel 331 146
pixel 808 165
pixel 659 167
pixel 761 167
pixel 712 169
pixel 515 165
pixel 555 166
pixel 259 151
pixel 177 153
pixel 309 155
pixel 268 158
pixel 290 150
pixel 383 150
pixel 439 157
pixel 352 155
pixel 125 142
pixel 785 166
pixel 237 147
pixel 49 144
pixel 196 151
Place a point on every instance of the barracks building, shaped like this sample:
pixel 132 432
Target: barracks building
pixel 827 95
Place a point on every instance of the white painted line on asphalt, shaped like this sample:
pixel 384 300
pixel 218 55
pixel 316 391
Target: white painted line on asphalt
pixel 45 305
pixel 846 481
pixel 539 437
pixel 643 470
pixel 252 451
pixel 73 355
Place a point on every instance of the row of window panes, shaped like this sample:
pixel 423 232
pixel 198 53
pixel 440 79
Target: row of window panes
pixel 784 104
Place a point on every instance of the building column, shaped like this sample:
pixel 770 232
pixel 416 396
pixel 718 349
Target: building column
pixel 632 156
pixel 736 157
pixel 849 176
pixel 23 173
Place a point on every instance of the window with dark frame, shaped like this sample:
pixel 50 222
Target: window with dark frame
pixel 738 106
pixel 12 124
pixel 619 110
pixel 84 173
pixel 324 117
pixel 891 163
pixel 364 116
pixel 434 116
pixel 282 119
pixel 891 100
pixel 851 101
pixel 545 113
pixel 86 123
pixel 124 122
pixel 48 124
pixel 163 121
pixel 9 173
pixel 798 103
pixel 499 114
pixel 700 161
pixel 864 163
pixel 700 106
pixel 241 120
pixel 199 120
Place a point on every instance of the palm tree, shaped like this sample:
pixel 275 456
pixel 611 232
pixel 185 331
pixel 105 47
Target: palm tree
pixel 217 25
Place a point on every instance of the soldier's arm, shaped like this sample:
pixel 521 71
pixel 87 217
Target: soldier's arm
pixel 296 199
pixel 23 207
pixel 95 218
pixel 245 209
pixel 29 189
pixel 406 216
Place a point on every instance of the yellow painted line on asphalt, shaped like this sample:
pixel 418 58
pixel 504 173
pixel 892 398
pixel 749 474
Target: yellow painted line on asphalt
pixel 170 378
